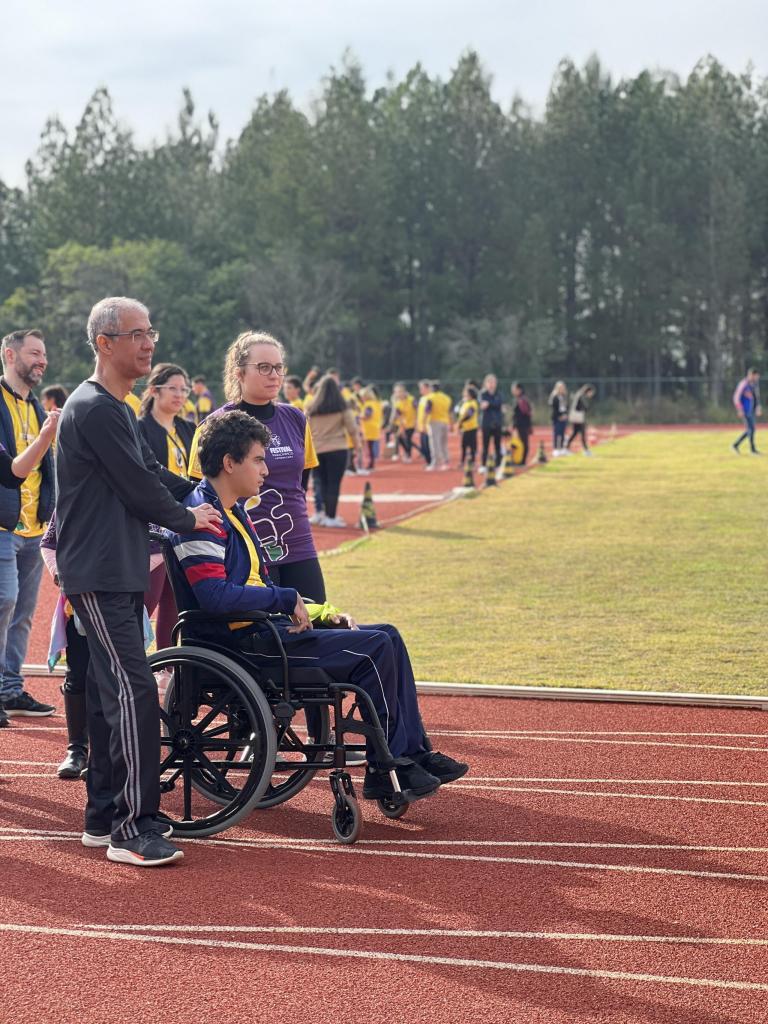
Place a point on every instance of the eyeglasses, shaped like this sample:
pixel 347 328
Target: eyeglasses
pixel 173 389
pixel 150 334
pixel 265 369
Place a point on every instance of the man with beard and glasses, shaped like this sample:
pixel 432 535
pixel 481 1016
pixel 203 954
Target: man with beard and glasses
pixel 24 511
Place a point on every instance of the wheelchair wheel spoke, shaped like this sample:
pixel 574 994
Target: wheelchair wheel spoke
pixel 168 762
pixel 187 773
pixel 215 773
pixel 215 710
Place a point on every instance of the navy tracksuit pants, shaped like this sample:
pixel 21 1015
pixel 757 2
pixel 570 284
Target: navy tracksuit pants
pixel 374 658
pixel 123 781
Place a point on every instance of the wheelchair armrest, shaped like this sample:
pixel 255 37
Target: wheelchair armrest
pixel 198 615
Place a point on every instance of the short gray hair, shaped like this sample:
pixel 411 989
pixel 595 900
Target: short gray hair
pixel 104 318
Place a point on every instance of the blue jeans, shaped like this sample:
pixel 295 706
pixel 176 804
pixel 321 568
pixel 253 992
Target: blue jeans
pixel 749 432
pixel 20 570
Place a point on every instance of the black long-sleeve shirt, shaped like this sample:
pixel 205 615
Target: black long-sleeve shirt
pixel 109 487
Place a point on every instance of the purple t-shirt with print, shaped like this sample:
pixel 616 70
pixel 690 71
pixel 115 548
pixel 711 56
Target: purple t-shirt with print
pixel 279 513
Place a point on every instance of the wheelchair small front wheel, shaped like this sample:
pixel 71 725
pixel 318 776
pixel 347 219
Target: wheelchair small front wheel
pixel 346 820
pixel 392 809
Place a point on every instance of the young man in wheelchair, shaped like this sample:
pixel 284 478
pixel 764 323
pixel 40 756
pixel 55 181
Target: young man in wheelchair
pixel 221 571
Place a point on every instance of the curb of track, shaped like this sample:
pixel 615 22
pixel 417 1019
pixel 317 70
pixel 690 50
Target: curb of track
pixel 755 702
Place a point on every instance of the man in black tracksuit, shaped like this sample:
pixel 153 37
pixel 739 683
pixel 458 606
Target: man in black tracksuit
pixel 109 487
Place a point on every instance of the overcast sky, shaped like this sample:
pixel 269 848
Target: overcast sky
pixel 54 54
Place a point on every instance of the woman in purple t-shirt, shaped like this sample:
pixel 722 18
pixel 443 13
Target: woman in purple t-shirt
pixel 254 369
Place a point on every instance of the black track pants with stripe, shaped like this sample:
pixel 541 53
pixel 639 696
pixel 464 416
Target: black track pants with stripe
pixel 123 780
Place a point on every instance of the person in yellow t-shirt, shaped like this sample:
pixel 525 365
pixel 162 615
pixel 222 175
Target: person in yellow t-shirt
pixel 24 512
pixel 425 391
pixel 133 402
pixel 468 421
pixel 201 400
pixel 371 423
pixel 292 392
pixel 403 419
pixel 169 435
pixel 439 417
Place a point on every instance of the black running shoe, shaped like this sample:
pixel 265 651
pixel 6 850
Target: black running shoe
pixel 96 837
pixel 415 781
pixel 441 766
pixel 25 704
pixel 4 719
pixel 148 850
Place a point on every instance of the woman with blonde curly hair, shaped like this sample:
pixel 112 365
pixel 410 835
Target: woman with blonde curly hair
pixel 254 370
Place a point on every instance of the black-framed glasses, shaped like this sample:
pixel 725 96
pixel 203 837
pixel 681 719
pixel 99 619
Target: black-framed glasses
pixel 265 369
pixel 150 334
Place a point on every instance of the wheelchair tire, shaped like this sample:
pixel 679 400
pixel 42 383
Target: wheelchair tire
pixel 392 810
pixel 347 821
pixel 213 714
pixel 277 792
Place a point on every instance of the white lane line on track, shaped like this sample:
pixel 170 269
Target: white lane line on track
pixel 464 785
pixel 26 775
pixel 619 782
pixel 458 933
pixel 479 859
pixel 461 785
pixel 612 732
pixel 22 833
pixel 359 954
pixel 310 846
pixel 30 764
pixel 575 739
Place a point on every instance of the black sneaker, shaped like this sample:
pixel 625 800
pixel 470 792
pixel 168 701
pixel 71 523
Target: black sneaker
pixel 441 766
pixel 415 781
pixel 25 704
pixel 4 719
pixel 148 850
pixel 96 837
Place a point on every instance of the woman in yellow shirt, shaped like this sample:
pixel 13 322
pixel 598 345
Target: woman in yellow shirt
pixel 403 419
pixel 169 435
pixel 371 422
pixel 468 417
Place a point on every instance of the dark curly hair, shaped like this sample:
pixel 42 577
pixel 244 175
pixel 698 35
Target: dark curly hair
pixel 234 434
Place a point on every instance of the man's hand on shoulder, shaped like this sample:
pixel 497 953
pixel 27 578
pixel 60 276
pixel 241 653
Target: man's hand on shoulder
pixel 206 517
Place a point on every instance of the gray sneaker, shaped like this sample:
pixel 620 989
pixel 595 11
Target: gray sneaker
pixel 95 839
pixel 148 850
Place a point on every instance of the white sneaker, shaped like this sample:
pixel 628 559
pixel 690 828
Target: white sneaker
pixel 317 518
pixel 336 521
pixel 363 472
pixel 429 469
pixel 586 451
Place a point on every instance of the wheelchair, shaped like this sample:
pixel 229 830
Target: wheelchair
pixel 236 736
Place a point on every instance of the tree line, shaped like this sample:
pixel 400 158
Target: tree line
pixel 418 229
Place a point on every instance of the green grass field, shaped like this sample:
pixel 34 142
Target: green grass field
pixel 642 568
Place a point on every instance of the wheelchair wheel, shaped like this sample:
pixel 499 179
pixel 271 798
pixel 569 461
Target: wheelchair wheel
pixel 347 821
pixel 217 747
pixel 289 777
pixel 391 809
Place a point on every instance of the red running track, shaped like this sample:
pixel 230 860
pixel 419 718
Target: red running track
pixel 601 863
